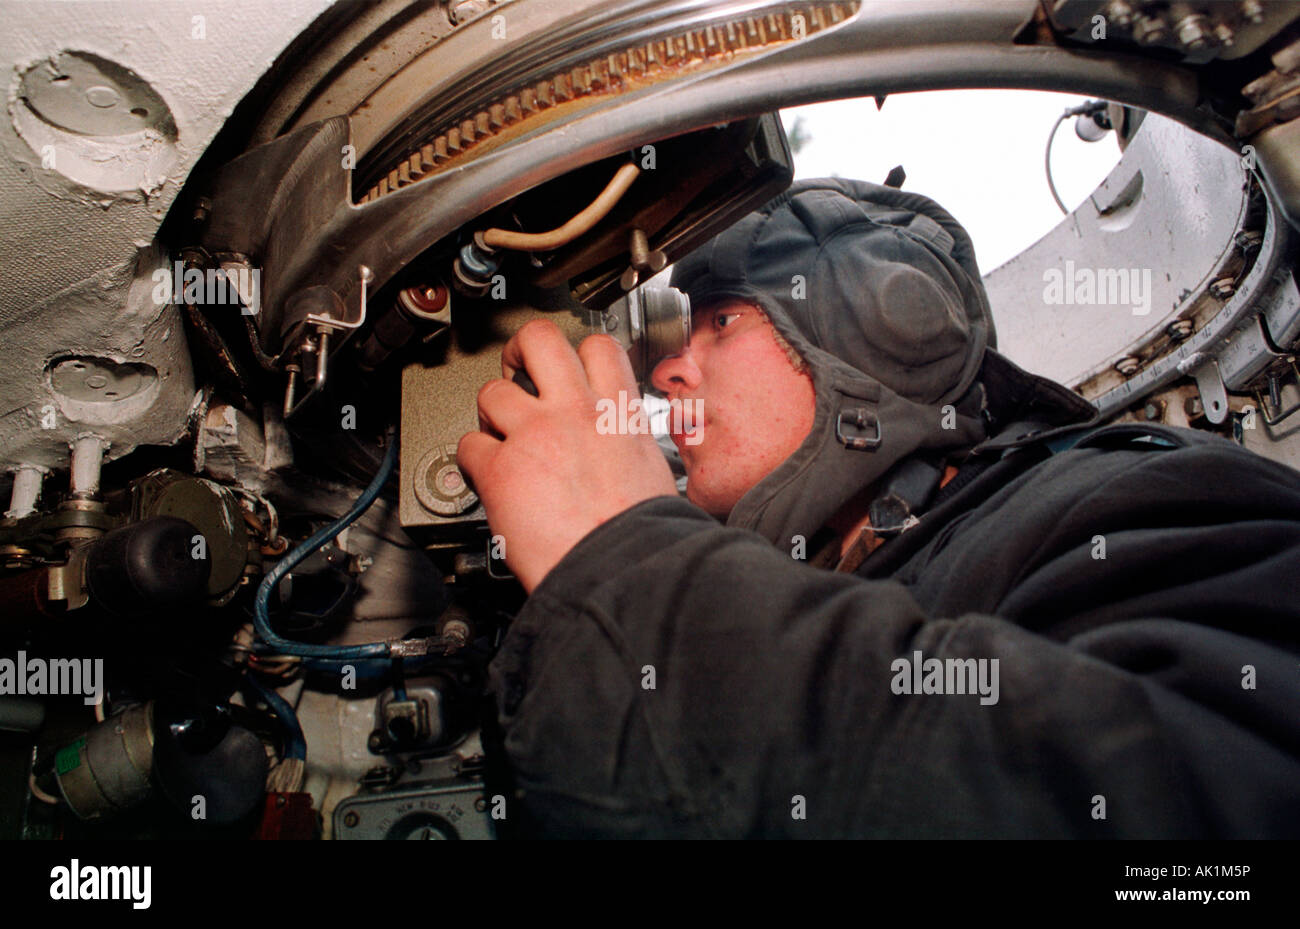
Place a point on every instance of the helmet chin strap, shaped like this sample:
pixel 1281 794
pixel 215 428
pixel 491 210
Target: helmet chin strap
pixel 861 527
pixel 904 492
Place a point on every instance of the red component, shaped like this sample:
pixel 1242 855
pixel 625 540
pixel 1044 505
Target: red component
pixel 26 595
pixel 287 816
pixel 426 298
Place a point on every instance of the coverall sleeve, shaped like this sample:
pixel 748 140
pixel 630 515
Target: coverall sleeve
pixel 674 677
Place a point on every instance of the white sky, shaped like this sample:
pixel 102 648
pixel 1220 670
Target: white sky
pixel 979 153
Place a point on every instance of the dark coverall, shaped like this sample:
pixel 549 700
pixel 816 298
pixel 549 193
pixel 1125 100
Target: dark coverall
pixel 675 676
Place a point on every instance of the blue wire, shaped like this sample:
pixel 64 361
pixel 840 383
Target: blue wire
pixel 295 743
pixel 261 615
pixel 399 685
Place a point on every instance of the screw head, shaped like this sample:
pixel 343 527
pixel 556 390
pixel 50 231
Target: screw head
pixel 1149 30
pixel 1120 13
pixel 464 12
pixel 1249 239
pixel 351 819
pixel 1192 32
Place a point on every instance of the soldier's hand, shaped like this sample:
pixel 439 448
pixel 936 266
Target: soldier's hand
pixel 546 474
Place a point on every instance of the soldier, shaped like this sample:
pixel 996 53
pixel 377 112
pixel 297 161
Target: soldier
pixel 911 590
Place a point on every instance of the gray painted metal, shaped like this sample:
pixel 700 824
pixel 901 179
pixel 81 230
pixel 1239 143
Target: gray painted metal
pixel 1220 333
pixel 80 210
pixel 1166 216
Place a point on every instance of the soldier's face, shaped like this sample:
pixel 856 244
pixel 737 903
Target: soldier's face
pixel 746 408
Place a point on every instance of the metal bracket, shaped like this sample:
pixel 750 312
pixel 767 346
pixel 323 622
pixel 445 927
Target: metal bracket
pixel 1274 400
pixel 328 322
pixel 325 323
pixel 1214 396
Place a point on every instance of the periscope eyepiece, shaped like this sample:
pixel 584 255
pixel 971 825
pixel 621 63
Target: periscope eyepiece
pixel 650 323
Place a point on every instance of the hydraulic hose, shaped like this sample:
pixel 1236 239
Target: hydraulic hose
pixel 579 224
pixel 261 613
pixel 295 743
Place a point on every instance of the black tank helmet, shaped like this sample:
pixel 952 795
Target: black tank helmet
pixel 878 291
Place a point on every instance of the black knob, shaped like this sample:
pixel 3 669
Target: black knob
pixel 148 566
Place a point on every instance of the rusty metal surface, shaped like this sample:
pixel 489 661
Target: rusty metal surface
pixel 558 97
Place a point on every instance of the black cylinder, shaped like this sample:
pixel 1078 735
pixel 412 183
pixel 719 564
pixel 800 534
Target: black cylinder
pixel 148 566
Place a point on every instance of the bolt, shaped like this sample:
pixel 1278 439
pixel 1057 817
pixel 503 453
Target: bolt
pixel 1179 329
pixel 1193 32
pixel 1252 11
pixel 1223 288
pixel 1120 13
pixel 480 804
pixel 1249 239
pixel 1128 365
pixel 350 819
pixel 1193 408
pixel 1224 35
pixel 1151 411
pixel 639 247
pixel 1149 30
pixel 463 12
pixel 456 630
pixel 201 209
pixel 447 481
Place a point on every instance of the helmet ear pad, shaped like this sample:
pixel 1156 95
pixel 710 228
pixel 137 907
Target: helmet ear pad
pixel 907 327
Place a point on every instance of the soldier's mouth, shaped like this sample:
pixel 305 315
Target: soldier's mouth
pixel 686 423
